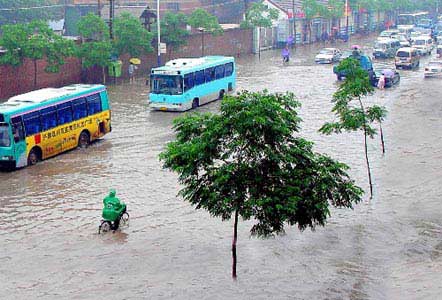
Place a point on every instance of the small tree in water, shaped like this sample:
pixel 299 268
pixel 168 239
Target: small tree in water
pixel 247 161
pixel 355 117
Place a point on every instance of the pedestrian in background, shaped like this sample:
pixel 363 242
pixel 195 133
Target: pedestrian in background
pixel 285 54
pixel 131 73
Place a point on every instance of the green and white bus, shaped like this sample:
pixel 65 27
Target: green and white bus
pixel 46 122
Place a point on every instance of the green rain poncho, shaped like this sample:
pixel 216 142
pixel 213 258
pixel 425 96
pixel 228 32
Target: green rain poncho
pixel 112 207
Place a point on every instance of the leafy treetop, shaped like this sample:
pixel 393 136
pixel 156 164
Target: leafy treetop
pixel 200 18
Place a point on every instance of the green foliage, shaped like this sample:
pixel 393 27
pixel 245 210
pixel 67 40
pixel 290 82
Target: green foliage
pixel 311 8
pixel 336 9
pixel 95 49
pixel 35 40
pixel 250 160
pixel 351 117
pixel 173 29
pixel 259 15
pixel 200 18
pixel 13 40
pixel 130 36
pixel 15 11
pixel 355 117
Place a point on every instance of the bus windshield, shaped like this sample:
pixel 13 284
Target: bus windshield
pixel 166 84
pixel 5 140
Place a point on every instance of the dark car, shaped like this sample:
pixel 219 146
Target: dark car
pixel 392 77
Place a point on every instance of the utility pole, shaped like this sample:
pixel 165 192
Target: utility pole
pixel 111 18
pixel 99 8
pixel 159 35
pixel 294 23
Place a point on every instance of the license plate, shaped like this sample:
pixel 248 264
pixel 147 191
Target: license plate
pixel 163 108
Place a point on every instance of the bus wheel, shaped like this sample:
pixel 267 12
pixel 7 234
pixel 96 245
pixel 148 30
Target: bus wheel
pixel 83 140
pixel 195 103
pixel 221 94
pixel 33 157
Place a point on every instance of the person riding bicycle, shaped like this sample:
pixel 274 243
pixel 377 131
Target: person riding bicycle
pixel 285 53
pixel 113 209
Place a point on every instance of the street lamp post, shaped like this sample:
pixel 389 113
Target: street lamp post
pixel 147 18
pixel 200 29
pixel 159 35
pixel 111 18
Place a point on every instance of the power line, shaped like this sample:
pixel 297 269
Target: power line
pixel 29 8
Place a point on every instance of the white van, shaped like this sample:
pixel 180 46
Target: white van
pixel 424 44
pixel 407 57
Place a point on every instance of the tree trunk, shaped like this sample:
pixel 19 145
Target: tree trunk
pixel 382 138
pixel 259 43
pixel 104 74
pixel 235 236
pixel 35 73
pixel 366 152
pixel 309 31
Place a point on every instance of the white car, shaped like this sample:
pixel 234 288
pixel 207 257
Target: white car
pixel 433 68
pixel 424 44
pixel 328 56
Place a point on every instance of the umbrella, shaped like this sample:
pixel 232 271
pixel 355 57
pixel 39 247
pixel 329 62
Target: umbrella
pixel 388 73
pixel 355 47
pixel 135 61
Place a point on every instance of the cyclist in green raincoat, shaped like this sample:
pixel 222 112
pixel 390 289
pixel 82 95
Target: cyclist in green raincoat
pixel 113 209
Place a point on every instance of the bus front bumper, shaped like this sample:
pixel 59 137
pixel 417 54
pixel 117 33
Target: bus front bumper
pixel 7 162
pixel 169 106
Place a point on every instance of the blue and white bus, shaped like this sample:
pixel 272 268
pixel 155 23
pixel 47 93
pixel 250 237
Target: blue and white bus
pixel 187 83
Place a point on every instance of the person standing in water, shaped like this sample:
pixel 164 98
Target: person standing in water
pixel 285 54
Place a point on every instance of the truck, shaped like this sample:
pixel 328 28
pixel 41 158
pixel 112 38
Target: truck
pixel 365 62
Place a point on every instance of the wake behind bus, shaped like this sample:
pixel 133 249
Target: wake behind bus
pixel 187 83
pixel 43 123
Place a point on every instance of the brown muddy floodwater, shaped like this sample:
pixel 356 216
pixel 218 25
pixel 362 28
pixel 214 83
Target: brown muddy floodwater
pixel 389 247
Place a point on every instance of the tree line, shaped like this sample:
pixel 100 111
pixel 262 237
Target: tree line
pixel 34 40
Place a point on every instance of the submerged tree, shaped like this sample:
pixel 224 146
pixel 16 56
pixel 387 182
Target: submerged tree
pixel 249 162
pixel 95 49
pixel 35 41
pixel 130 36
pixel 355 117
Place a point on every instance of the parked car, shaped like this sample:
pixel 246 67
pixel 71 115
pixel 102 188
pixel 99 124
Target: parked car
pixel 403 40
pixel 433 68
pixel 407 57
pixel 392 77
pixel 386 48
pixel 389 33
pixel 328 56
pixel 424 44
pixel 364 60
pixel 425 23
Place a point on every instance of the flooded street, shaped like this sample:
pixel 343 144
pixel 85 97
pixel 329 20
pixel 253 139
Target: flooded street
pixel 389 247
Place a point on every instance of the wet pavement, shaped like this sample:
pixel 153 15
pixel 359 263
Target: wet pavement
pixel 389 247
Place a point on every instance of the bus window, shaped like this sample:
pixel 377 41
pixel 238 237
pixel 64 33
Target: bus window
pixel 64 113
pixel 80 108
pixel 199 77
pixel 229 69
pixel 5 140
pixel 17 129
pixel 209 74
pixel 48 118
pixel 188 81
pixel 94 104
pixel 219 72
pixel 32 123
pixel 167 84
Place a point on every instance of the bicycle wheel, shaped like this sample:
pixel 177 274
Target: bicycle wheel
pixel 124 218
pixel 105 226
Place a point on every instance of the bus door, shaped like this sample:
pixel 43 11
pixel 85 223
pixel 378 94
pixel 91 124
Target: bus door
pixel 18 134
